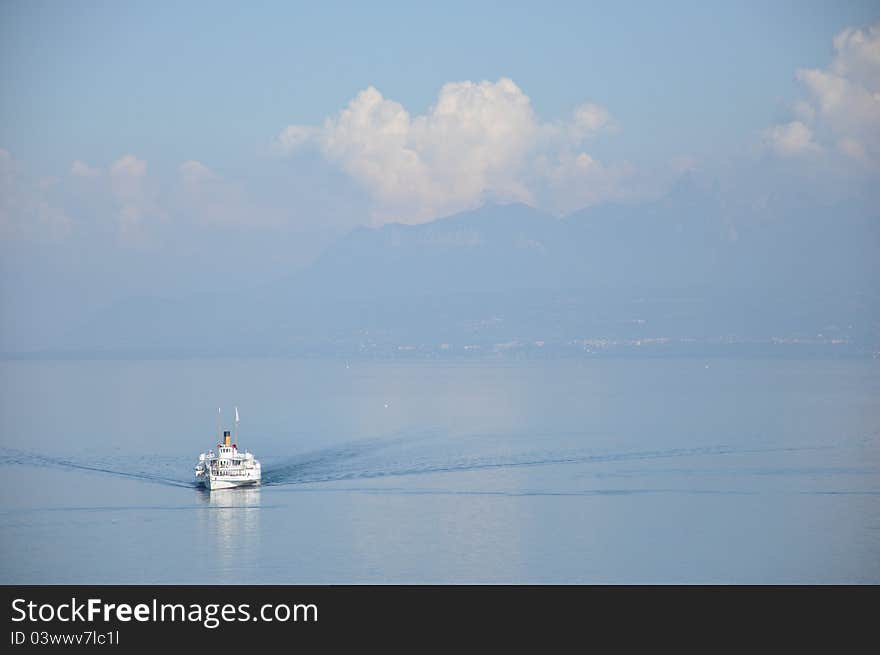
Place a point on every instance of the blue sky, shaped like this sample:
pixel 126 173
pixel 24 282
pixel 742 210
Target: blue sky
pixel 161 140
pixel 215 81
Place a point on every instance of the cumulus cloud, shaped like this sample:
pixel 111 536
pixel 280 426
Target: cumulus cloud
pixel 478 140
pixel 127 175
pixel 842 107
pixel 26 209
pixel 82 169
pixel 193 174
pixel 588 120
pixel 135 197
pixel 575 179
pixel 294 136
pixel 858 55
pixel 791 139
pixel 209 199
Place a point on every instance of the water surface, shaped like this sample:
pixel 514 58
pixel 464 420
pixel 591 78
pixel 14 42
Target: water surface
pixel 620 471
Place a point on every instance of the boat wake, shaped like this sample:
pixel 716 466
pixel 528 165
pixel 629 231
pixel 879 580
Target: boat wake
pixel 399 455
pixel 361 464
pixel 125 467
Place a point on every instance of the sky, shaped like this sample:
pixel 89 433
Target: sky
pixel 166 148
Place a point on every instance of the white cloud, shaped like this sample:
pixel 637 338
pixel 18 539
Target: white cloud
pixel 589 119
pixel 791 139
pixel 294 136
pixel 135 197
pixel 843 102
pixel 858 55
pixel 25 207
pixel 478 140
pixel 194 173
pixel 82 169
pixel 127 202
pixel 207 198
pixel 854 149
pixel 127 174
pixel 575 179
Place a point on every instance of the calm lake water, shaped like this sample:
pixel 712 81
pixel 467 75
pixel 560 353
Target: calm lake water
pixel 593 471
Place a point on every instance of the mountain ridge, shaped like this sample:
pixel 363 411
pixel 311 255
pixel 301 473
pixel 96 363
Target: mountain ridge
pixel 672 267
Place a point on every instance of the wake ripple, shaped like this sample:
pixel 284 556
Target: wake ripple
pixel 129 468
pixel 344 464
pixel 363 460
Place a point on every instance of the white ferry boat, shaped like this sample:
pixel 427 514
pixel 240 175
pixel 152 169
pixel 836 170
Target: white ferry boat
pixel 228 467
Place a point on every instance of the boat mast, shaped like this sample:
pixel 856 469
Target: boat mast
pixel 235 428
pixel 219 429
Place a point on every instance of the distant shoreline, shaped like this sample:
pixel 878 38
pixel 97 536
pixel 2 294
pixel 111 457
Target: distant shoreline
pixel 578 350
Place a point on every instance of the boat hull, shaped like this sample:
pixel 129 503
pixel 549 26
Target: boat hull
pixel 221 482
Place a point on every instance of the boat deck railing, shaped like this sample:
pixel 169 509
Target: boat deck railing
pixel 231 472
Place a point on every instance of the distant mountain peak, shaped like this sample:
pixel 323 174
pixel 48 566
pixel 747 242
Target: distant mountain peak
pixel 510 212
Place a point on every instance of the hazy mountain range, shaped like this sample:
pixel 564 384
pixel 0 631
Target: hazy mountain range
pixel 689 272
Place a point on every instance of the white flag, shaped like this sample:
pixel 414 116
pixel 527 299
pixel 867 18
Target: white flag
pixel 236 414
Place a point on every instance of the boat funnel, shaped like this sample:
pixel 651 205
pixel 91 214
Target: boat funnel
pixel 227 440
